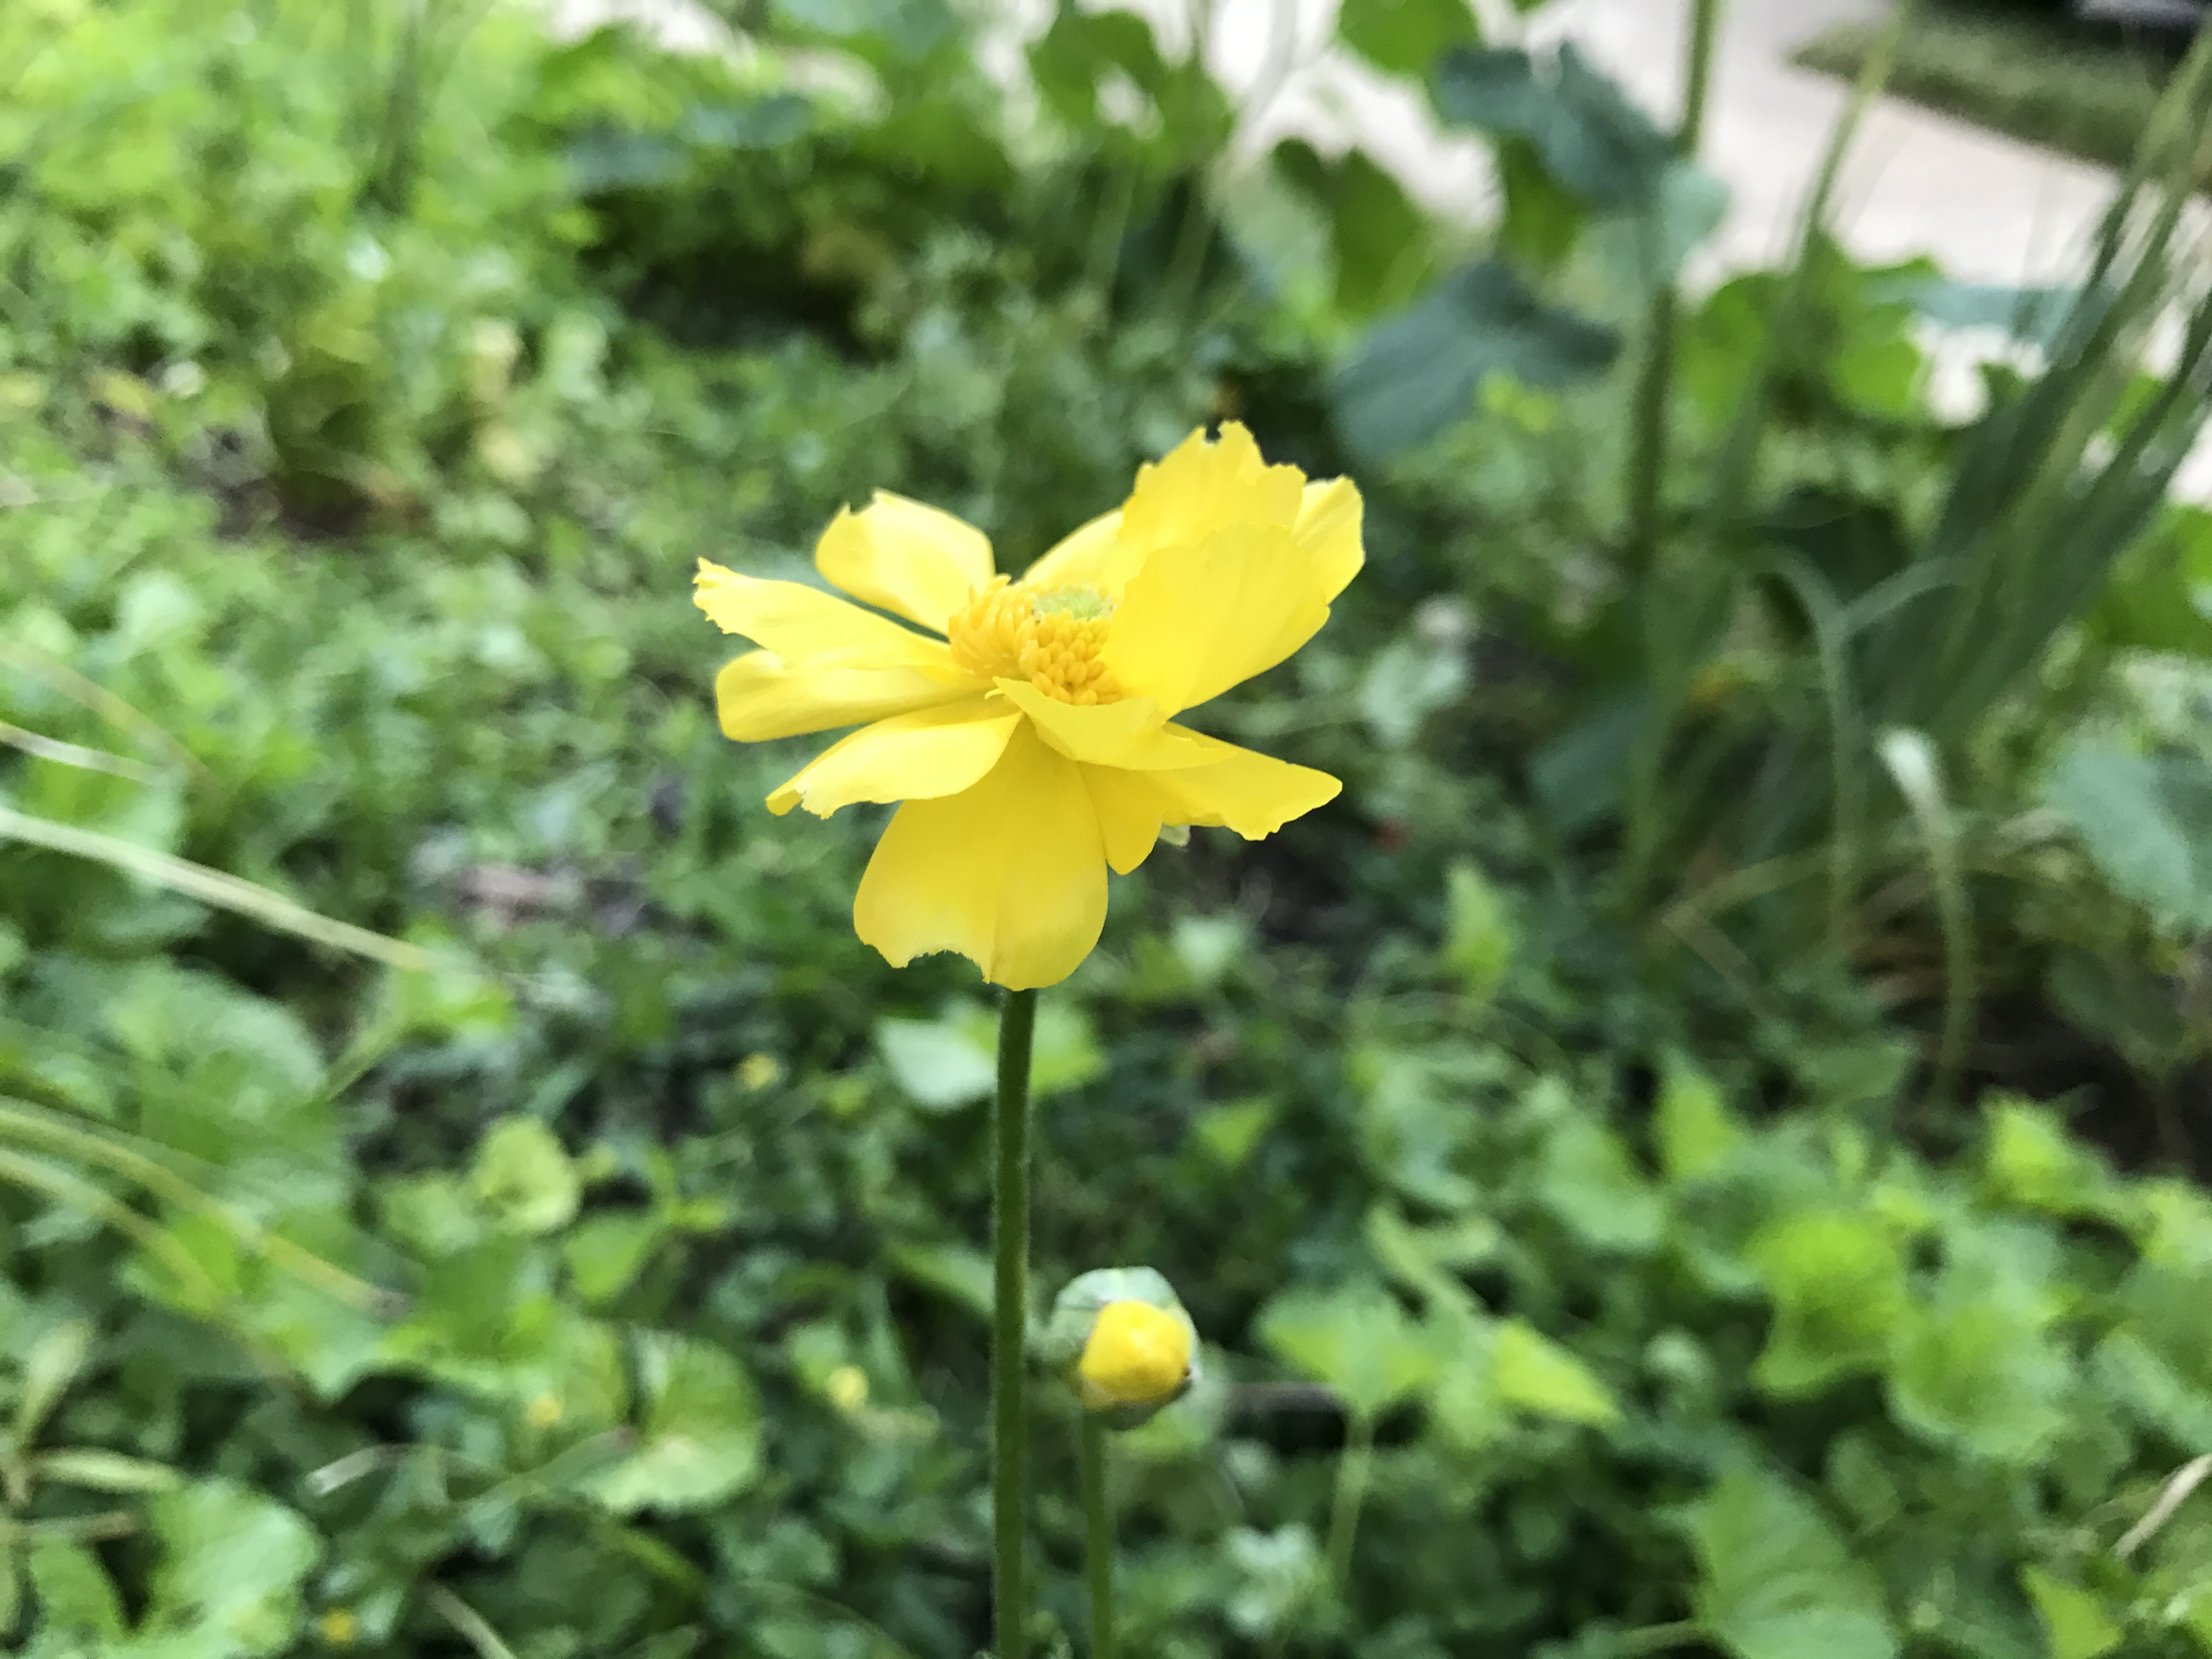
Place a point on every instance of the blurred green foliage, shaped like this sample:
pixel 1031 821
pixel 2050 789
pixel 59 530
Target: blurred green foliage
pixel 1587 1265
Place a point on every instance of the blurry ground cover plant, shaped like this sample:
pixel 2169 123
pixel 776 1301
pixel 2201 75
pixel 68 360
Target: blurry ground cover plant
pixel 1563 1292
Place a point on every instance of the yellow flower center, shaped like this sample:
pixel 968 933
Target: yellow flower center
pixel 1052 640
pixel 1136 1354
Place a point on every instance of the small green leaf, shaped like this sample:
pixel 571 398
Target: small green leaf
pixel 939 1063
pixel 1696 1131
pixel 700 1440
pixel 1407 37
pixel 608 1251
pixel 2147 822
pixel 1838 1283
pixel 1775 1583
pixel 55 1360
pixel 105 1471
pixel 1531 1371
pixel 1230 1133
pixel 2074 1619
pixel 1358 1340
pixel 1479 938
pixel 1592 1184
pixel 523 1177
pixel 1590 137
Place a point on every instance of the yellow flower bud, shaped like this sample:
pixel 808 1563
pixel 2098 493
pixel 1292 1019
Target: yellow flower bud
pixel 1137 1355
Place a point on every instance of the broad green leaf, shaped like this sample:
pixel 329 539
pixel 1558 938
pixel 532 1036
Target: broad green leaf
pixel 1774 1581
pixel 523 1177
pixel 1590 137
pixel 2074 1619
pixel 1695 1130
pixel 699 1443
pixel 1356 1339
pixel 1414 1121
pixel 2147 822
pixel 1531 1371
pixel 1416 373
pixel 937 1063
pixel 71 1589
pixel 233 1562
pixel 1231 1132
pixel 1407 37
pixel 1838 1284
pixel 1379 239
pixel 1976 1371
pixel 1409 680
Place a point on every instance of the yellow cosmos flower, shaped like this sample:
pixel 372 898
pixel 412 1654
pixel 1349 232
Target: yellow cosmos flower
pixel 1030 732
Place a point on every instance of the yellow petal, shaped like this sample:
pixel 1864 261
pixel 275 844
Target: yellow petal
pixel 1201 487
pixel 1198 619
pixel 1087 558
pixel 1130 733
pixel 1011 874
pixel 915 757
pixel 809 628
pixel 1327 531
pixel 1135 1355
pixel 1131 806
pixel 1241 789
pixel 760 696
pixel 905 557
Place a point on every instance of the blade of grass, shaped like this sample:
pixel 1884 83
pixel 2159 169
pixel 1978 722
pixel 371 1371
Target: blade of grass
pixel 1911 761
pixel 214 887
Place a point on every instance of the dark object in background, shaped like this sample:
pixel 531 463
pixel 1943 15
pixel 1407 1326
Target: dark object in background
pixel 2165 21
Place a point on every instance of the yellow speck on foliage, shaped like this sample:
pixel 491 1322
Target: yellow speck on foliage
pixel 1026 726
pixel 757 1071
pixel 1137 1355
pixel 339 1627
pixel 545 1411
pixel 847 1387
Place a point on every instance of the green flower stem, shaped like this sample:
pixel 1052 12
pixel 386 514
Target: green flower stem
pixel 1353 1468
pixel 1010 1293
pixel 1098 1527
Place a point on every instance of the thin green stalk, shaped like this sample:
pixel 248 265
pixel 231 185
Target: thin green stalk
pixel 1647 456
pixel 1353 1469
pixel 1010 1289
pixel 1098 1530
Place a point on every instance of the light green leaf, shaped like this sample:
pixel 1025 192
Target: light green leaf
pixel 54 1361
pixel 232 1563
pixel 105 1471
pixel 523 1177
pixel 1592 1184
pixel 700 1441
pixel 939 1063
pixel 2147 821
pixel 2074 1619
pixel 1531 1371
pixel 1696 1131
pixel 71 1589
pixel 607 1252
pixel 1774 1581
pixel 1358 1340
pixel 1479 937
pixel 1230 1132
pixel 2032 1164
pixel 1838 1283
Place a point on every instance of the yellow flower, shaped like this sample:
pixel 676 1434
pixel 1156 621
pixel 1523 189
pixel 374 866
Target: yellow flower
pixel 1137 1355
pixel 847 1388
pixel 1030 732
